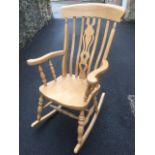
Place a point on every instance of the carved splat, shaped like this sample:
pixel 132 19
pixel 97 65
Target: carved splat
pixel 88 39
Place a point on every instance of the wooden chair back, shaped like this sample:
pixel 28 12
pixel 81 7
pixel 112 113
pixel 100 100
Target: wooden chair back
pixel 92 15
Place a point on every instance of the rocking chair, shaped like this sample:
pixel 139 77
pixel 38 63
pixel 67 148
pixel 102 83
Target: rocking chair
pixel 75 89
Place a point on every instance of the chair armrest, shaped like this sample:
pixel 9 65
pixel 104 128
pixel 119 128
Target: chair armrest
pixel 44 58
pixel 93 76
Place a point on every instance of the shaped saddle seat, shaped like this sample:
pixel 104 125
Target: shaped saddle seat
pixel 68 91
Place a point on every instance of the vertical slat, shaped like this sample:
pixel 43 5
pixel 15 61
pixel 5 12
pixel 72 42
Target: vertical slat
pixel 80 46
pixel 52 69
pixel 42 75
pixel 103 44
pixel 73 45
pixel 64 60
pixel 110 41
pixel 95 44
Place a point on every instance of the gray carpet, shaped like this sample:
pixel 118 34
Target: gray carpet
pixel 131 99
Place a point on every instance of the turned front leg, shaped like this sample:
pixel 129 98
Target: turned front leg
pixel 81 127
pixel 40 107
pixel 95 102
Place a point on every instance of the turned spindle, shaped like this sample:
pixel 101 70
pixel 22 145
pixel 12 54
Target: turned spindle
pixel 42 75
pixel 40 108
pixel 52 69
pixel 81 126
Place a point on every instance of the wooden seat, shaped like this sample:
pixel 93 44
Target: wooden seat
pixel 79 83
pixel 69 91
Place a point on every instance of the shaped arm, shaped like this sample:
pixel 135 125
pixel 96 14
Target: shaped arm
pixel 44 58
pixel 93 76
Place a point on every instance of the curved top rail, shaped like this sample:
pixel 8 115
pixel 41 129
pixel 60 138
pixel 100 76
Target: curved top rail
pixel 106 11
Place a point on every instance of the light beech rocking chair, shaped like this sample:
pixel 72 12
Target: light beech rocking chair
pixel 75 89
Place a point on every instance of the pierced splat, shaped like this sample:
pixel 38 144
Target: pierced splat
pixel 88 39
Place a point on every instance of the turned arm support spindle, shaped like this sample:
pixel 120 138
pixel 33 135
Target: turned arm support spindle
pixel 52 69
pixel 41 60
pixel 42 75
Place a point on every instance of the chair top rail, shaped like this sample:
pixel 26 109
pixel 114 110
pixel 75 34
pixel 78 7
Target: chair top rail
pixel 105 11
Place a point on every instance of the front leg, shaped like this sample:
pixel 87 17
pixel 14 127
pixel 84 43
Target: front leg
pixel 40 107
pixel 80 131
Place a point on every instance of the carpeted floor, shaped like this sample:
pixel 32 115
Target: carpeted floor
pixel 113 133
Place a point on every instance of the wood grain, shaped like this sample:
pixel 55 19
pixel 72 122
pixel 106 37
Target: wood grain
pixel 68 91
pixel 106 11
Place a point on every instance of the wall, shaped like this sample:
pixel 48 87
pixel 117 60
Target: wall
pixel 130 9
pixel 116 2
pixel 33 15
